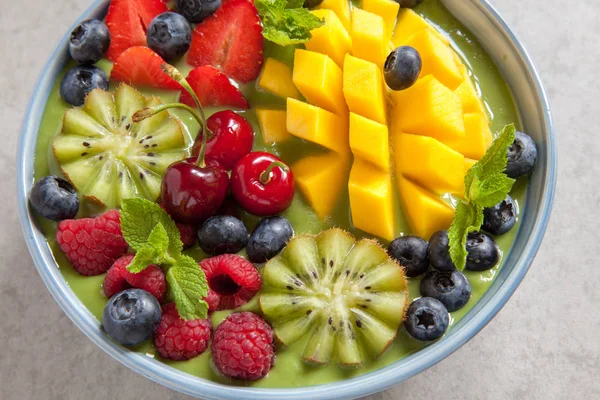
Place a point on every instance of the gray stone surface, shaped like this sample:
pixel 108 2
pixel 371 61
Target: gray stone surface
pixel 545 344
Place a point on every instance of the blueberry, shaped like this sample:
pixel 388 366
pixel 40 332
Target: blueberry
pixel 81 80
pixel 197 10
pixel 501 218
pixel 268 239
pixel 483 253
pixel 409 3
pixel 169 35
pixel 450 287
pixel 89 41
pixel 426 319
pixel 311 3
pixel 402 68
pixel 222 234
pixel 131 316
pixel 411 253
pixel 522 155
pixel 438 252
pixel 54 198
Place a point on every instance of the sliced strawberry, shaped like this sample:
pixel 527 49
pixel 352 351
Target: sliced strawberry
pixel 127 21
pixel 140 66
pixel 231 40
pixel 213 89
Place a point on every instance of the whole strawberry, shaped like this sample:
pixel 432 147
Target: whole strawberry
pixel 118 278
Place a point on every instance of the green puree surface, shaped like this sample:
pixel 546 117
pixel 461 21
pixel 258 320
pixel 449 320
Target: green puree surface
pixel 289 370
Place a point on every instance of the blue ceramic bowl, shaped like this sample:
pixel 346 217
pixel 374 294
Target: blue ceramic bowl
pixel 518 69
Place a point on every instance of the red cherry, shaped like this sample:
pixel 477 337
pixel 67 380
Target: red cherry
pixel 231 140
pixel 262 184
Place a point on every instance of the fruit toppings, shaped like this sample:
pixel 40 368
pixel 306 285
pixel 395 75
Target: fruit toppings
pixel 54 198
pixel 522 155
pixel 270 236
pixel 197 10
pixel 426 319
pixel 242 347
pixel 402 68
pixel 213 88
pixel 231 138
pixel 286 22
pixel 92 244
pixel 262 184
pixel 483 253
pixel 141 66
pixel 222 234
pixel 107 156
pixel 118 278
pixel 347 297
pixel 178 339
pixel 79 81
pixel 234 279
pixel 131 316
pixel 412 253
pixel 500 218
pixel 230 40
pixel 169 35
pixel 438 252
pixel 89 41
pixel 450 287
pixel 188 234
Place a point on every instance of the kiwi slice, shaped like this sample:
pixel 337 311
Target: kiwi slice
pixel 108 157
pixel 347 298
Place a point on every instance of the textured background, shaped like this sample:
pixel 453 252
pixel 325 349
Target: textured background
pixel 545 344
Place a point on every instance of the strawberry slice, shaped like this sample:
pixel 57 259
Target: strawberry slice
pixel 213 89
pixel 127 21
pixel 231 40
pixel 141 66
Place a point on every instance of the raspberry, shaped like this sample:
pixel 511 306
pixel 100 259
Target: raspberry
pixel 242 346
pixel 92 244
pixel 151 279
pixel 177 339
pixel 213 300
pixel 232 278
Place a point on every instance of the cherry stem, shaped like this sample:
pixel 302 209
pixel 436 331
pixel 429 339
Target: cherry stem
pixel 265 176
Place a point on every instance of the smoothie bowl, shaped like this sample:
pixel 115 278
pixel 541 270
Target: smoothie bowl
pixel 281 199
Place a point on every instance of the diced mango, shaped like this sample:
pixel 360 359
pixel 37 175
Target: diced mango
pixel 276 77
pixel 477 139
pixel 386 9
pixel 320 81
pixel 427 108
pixel 426 213
pixel 272 125
pixel 409 23
pixel 438 58
pixel 429 163
pixel 317 126
pixel 369 141
pixel 368 36
pixel 321 179
pixel 469 163
pixel 363 89
pixel 331 39
pixel 340 7
pixel 469 96
pixel 371 200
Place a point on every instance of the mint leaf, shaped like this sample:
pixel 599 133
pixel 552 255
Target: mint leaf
pixel 491 191
pixel 286 22
pixel 143 258
pixel 188 286
pixel 153 252
pixel 294 4
pixel 467 218
pixel 495 158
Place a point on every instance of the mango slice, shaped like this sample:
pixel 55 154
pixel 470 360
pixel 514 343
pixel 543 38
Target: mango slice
pixel 369 40
pixel 319 79
pixel 331 39
pixel 426 213
pixel 321 179
pixel 369 141
pixel 427 108
pixel 276 78
pixel 469 163
pixel 363 89
pixel 272 125
pixel 340 7
pixel 477 140
pixel 429 163
pixel 317 126
pixel 387 10
pixel 469 96
pixel 409 23
pixel 371 200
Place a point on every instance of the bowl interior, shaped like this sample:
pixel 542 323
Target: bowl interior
pixel 532 104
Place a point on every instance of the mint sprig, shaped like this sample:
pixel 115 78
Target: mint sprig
pixel 486 185
pixel 150 231
pixel 286 22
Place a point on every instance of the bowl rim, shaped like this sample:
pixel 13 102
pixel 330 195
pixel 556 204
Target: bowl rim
pixel 350 388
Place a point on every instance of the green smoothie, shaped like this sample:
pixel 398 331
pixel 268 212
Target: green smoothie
pixel 289 369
